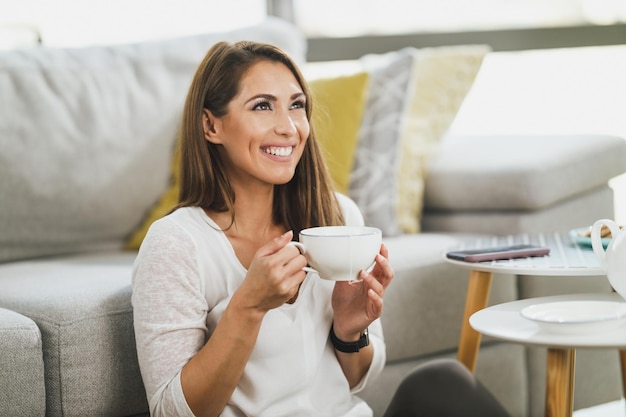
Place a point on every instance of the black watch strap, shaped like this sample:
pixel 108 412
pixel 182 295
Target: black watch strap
pixel 349 347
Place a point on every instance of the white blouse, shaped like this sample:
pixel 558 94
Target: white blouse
pixel 183 278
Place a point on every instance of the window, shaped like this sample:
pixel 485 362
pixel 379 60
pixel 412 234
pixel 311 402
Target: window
pixel 80 23
pixel 331 18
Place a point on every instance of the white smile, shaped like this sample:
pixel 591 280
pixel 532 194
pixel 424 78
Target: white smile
pixel 279 150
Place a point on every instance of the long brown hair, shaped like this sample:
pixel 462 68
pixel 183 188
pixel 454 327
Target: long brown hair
pixel 307 200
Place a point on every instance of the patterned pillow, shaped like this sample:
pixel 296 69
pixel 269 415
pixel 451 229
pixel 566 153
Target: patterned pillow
pixel 413 98
pixel 373 181
pixel 442 77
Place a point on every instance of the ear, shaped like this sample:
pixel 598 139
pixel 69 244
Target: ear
pixel 211 126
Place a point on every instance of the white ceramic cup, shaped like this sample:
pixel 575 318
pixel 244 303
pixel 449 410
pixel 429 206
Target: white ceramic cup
pixel 339 253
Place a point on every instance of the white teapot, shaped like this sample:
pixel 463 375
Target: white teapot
pixel 613 260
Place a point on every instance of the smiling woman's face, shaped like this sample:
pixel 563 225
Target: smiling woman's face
pixel 266 127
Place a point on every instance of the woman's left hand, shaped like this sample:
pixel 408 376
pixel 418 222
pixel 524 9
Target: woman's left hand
pixel 356 304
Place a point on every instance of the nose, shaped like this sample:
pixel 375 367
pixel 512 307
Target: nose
pixel 285 125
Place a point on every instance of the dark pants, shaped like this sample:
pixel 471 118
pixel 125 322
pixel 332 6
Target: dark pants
pixel 443 388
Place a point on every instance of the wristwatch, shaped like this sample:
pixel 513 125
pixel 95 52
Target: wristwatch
pixel 349 347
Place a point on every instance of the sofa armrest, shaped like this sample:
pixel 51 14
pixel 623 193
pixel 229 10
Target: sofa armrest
pixel 519 172
pixel 514 174
pixel 21 361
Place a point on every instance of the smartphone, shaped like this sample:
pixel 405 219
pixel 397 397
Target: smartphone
pixel 498 252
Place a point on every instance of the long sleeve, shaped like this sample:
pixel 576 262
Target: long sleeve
pixel 169 314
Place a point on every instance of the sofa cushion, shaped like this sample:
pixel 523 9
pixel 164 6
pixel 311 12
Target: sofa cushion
pixel 87 135
pixel 81 305
pixel 22 390
pixel 579 211
pixel 517 173
pixel 431 291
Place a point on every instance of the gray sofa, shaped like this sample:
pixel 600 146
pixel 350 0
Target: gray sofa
pixel 86 138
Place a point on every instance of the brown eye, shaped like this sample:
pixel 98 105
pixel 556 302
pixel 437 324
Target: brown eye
pixel 298 104
pixel 262 105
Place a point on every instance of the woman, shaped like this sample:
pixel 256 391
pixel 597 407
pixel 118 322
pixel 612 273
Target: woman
pixel 226 320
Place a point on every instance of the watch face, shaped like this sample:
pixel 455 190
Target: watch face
pixel 366 337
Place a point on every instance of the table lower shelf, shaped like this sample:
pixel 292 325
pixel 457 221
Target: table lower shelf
pixel 505 322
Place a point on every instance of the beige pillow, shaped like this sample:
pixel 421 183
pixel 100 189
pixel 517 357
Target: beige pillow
pixel 441 79
pixel 413 98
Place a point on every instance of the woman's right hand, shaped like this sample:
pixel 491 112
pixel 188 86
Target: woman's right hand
pixel 274 275
pixel 211 376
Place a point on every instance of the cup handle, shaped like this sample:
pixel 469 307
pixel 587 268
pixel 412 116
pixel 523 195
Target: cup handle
pixel 596 238
pixel 302 250
pixel 298 245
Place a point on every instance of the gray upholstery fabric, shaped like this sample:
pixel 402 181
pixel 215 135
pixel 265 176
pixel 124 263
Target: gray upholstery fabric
pixel 423 284
pixel 82 306
pixel 520 172
pixel 498 367
pixel 577 211
pixel 22 391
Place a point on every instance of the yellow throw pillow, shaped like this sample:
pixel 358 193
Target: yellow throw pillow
pixel 338 109
pixel 339 103
pixel 165 204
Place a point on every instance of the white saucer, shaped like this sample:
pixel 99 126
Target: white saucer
pixel 577 316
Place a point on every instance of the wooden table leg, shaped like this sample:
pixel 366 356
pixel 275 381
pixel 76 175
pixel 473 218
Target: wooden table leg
pixel 476 299
pixel 560 382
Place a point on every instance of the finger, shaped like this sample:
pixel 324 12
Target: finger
pixel 296 264
pixel 384 251
pixel 375 305
pixel 383 271
pixel 275 244
pixel 372 283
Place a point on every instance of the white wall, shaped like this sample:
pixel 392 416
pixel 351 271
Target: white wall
pixel 87 22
